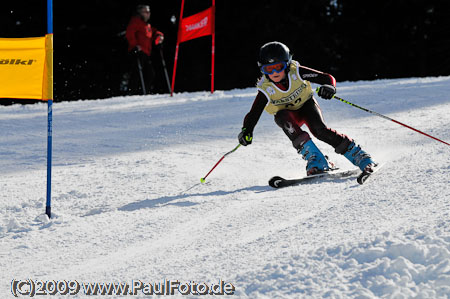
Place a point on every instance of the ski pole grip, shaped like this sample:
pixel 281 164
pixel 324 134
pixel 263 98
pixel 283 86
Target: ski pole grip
pixel 317 91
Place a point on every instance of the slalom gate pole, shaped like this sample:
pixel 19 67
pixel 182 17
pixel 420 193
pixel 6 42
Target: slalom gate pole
pixel 165 68
pixel 176 49
pixel 141 75
pixel 233 150
pixel 385 117
pixel 49 54
pixel 213 47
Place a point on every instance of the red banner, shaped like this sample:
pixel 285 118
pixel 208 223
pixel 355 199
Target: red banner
pixel 198 25
pixel 195 26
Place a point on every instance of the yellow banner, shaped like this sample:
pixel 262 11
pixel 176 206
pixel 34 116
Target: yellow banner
pixel 26 68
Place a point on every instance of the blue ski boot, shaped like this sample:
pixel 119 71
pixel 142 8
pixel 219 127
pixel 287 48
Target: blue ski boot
pixel 317 163
pixel 359 157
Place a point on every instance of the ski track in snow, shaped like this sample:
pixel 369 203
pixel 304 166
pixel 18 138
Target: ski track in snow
pixel 127 201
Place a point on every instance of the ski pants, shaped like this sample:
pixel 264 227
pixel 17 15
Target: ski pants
pixel 311 115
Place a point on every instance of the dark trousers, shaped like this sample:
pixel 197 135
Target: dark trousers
pixel 148 73
pixel 311 115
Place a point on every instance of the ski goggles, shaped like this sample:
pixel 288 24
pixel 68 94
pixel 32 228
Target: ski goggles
pixel 269 69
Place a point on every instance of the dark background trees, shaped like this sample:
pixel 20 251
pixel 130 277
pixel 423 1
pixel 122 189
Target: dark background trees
pixel 353 40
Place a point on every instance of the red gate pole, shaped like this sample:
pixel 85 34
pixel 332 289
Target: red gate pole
pixel 213 50
pixel 176 49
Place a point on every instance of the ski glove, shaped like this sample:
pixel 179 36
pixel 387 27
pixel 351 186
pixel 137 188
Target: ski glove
pixel 245 138
pixel 326 91
pixel 159 40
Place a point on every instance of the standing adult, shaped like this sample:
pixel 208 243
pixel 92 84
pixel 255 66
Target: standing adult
pixel 141 37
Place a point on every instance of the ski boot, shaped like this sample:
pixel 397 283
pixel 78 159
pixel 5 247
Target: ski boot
pixel 359 158
pixel 316 161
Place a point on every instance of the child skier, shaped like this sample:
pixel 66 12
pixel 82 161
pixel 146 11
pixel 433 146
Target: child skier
pixel 290 99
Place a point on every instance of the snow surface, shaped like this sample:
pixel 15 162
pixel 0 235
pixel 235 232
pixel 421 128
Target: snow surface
pixel 128 205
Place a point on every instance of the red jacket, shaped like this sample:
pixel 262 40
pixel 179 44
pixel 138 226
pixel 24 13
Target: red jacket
pixel 142 34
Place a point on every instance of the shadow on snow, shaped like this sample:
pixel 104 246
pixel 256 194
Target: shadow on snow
pixel 169 200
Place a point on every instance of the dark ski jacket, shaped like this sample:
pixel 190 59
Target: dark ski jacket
pixel 142 34
pixel 260 102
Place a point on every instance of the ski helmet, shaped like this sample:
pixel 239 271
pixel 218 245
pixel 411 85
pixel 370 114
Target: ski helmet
pixel 274 52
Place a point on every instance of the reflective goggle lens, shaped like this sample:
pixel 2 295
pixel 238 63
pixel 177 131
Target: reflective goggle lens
pixel 269 69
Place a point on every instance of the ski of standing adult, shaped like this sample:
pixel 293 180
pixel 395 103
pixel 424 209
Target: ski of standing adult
pixel 144 92
pixel 385 117
pixel 165 68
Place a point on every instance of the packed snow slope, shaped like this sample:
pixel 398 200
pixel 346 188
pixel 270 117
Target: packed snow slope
pixel 128 205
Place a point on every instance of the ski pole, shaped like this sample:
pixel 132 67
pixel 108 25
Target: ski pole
pixel 165 68
pixel 141 75
pixel 385 117
pixel 233 150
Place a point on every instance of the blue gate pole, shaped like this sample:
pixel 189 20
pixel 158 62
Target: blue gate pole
pixel 48 207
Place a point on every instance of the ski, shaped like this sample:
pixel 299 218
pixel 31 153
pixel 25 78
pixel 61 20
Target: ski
pixel 366 174
pixel 279 182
